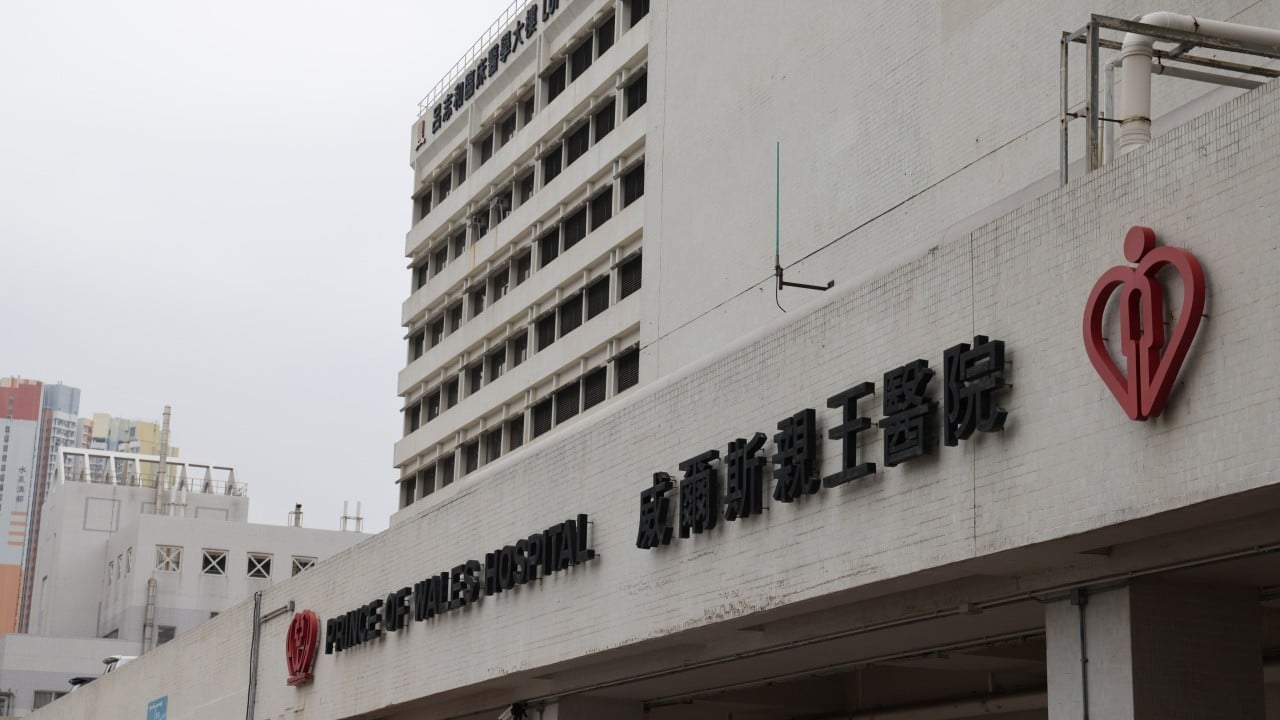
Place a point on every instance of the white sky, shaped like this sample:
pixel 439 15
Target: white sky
pixel 204 205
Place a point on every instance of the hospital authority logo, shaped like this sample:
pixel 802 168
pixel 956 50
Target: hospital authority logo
pixel 1152 360
pixel 300 646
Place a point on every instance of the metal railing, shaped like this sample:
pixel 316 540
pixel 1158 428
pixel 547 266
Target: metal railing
pixel 472 54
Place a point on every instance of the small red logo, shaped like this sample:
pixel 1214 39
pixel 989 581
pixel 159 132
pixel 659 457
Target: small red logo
pixel 1153 364
pixel 300 646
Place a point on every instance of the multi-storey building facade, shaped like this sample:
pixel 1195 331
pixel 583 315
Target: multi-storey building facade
pixel 526 246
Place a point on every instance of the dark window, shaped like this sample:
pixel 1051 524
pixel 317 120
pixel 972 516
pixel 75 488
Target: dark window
pixel 542 417
pixel 497 363
pixel 627 369
pixel 527 109
pixel 422 205
pixel 412 418
pixel 551 165
pixel 427 480
pixel 546 331
pixel 442 257
pixel 524 266
pixel 519 349
pixel 451 393
pixel 420 274
pixel 437 331
pixel 481 221
pixel 568 401
pixel 165 633
pixel 501 205
pixel 580 59
pixel 525 185
pixel 629 276
pixel 598 297
pixel 455 317
pixel 444 469
pixel 515 432
pixel 577 143
pixel 638 8
pixel 475 378
pixel 548 247
pixel 417 342
pixel 486 148
pixel 593 388
pixel 555 82
pixel 633 184
pixel 605 118
pixel 602 207
pixel 433 405
pixel 575 228
pixel 470 457
pixel 460 170
pixel 570 314
pixel 477 301
pixel 444 186
pixel 493 445
pixel 459 244
pixel 507 128
pixel 406 491
pixel 500 282
pixel 604 36
pixel 637 93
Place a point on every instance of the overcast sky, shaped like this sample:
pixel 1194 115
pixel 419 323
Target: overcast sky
pixel 204 205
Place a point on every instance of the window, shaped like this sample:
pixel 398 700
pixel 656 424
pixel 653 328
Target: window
pixel 525 186
pixel 497 363
pixel 501 206
pixel 500 281
pixel 437 331
pixel 627 369
pixel 460 169
pixel 417 345
pixel 6 704
pixel 445 470
pixel 577 142
pixel 477 301
pixel 604 119
pixel 301 563
pixel 455 317
pixel 555 82
pixel 629 276
pixel 542 417
pixel 213 562
pixel 44 697
pixel 638 8
pixel 441 257
pixel 412 418
pixel 515 432
pixel 524 267
pixel 633 185
pixel 165 633
pixel 568 401
pixel 546 330
pixel 459 244
pixel 486 148
pixel 259 565
pixel 570 314
pixel 470 457
pixel 519 349
pixel 526 109
pixel 168 558
pixel 580 59
pixel 433 405
pixel 551 165
pixel 637 93
pixel 444 186
pixel 598 297
pixel 493 445
pixel 604 36
pixel 406 492
pixel 427 480
pixel 593 388
pixel 481 222
pixel 507 128
pixel 475 378
pixel 548 247
pixel 451 393
pixel 602 207
pixel 420 274
pixel 575 227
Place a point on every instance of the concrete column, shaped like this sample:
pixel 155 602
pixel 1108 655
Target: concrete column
pixel 582 708
pixel 1157 651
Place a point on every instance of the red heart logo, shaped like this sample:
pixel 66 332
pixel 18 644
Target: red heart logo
pixel 300 644
pixel 1153 364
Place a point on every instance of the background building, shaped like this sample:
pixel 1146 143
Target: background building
pixel 1074 562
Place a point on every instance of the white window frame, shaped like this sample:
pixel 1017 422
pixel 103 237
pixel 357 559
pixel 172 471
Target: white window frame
pixel 213 562
pixel 259 565
pixel 301 562
pixel 168 558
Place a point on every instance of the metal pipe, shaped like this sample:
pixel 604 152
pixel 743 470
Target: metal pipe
pixel 1201 76
pixel 253 654
pixel 149 616
pixel 1135 67
pixel 1080 598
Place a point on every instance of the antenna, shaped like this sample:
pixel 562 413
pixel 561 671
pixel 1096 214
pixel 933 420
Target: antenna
pixel 777 234
pixel 161 504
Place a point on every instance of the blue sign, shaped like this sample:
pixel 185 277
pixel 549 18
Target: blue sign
pixel 158 709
